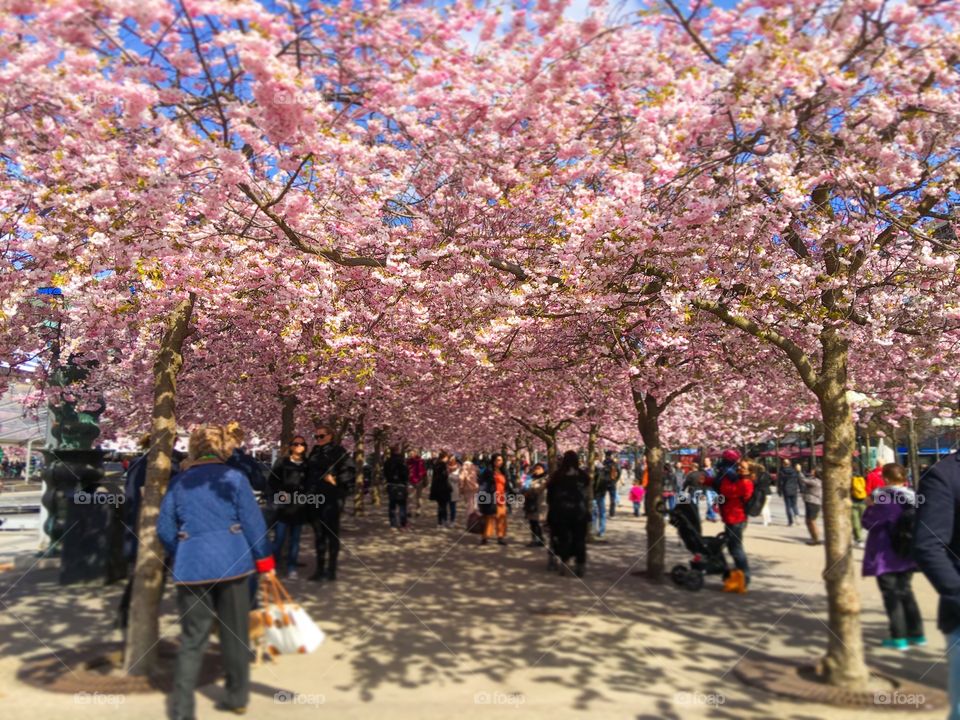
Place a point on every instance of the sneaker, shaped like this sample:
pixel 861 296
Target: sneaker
pixel 501 541
pixel 859 544
pixel 317 577
pixel 895 643
pixel 292 575
pixel 813 542
pixel 919 641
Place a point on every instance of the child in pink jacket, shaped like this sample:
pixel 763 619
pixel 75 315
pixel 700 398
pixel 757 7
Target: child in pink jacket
pixel 636 497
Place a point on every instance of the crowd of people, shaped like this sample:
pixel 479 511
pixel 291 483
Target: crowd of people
pixel 219 537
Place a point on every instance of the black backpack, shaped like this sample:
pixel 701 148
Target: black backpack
pixel 901 539
pixel 761 490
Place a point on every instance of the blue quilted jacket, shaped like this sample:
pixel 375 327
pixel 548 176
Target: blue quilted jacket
pixel 210 523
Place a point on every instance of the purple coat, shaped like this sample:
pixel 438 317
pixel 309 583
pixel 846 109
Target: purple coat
pixel 880 519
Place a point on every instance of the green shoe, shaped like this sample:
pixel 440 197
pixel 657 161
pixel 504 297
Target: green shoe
pixel 919 641
pixel 895 643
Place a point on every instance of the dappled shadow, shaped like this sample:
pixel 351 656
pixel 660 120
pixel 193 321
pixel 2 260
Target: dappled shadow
pixel 431 609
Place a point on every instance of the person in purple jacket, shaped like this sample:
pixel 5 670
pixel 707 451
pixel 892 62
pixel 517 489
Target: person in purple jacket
pixel 894 572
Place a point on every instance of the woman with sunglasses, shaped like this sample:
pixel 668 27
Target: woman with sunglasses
pixel 288 480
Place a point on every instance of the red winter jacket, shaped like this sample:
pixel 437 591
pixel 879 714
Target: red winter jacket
pixel 733 498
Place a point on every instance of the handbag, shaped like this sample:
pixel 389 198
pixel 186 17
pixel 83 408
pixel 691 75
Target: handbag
pixel 288 628
pixel 476 523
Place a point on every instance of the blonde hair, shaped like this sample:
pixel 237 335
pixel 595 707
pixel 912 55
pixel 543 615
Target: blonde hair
pixel 217 440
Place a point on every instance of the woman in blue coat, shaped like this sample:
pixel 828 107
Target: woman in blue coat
pixel 212 527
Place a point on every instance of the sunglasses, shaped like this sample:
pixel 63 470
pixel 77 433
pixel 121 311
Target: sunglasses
pixel 322 435
pixel 298 444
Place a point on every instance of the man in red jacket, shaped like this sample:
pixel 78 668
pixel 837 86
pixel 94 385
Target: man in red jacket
pixel 734 489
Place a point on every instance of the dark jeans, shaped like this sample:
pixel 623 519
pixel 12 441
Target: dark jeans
pixel 229 603
pixel 442 507
pixel 326 534
pixel 282 530
pixel 901 605
pixel 397 495
pixel 735 544
pixel 790 502
pixel 571 541
pixel 613 500
pixel 452 505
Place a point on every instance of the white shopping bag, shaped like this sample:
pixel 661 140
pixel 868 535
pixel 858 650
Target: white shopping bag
pixel 288 628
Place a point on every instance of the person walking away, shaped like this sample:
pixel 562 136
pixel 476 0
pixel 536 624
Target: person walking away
pixel 288 483
pixel 492 500
pixel 601 484
pixel 636 496
pixel 396 475
pixel 788 487
pixel 210 523
pixel 710 472
pixel 453 477
pixel 612 467
pixel 417 469
pixel 440 488
pixel 330 471
pixel 469 485
pixel 763 483
pixel 890 519
pixel 734 485
pixel 568 514
pixel 812 500
pixel 936 550
pixel 533 502
pixel 858 498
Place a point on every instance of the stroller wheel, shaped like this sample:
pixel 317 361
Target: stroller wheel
pixel 678 573
pixel 693 581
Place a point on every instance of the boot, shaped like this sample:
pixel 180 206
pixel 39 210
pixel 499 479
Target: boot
pixel 735 582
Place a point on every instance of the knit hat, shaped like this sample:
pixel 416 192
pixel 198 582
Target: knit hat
pixel 730 455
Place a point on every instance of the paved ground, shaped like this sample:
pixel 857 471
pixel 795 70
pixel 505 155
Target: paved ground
pixel 429 625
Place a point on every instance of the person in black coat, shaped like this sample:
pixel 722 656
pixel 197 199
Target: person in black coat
pixel 936 549
pixel 568 514
pixel 288 484
pixel 788 487
pixel 330 472
pixel 397 478
pixel 440 488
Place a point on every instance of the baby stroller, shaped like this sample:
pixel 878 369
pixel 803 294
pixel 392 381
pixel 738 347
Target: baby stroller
pixel 708 557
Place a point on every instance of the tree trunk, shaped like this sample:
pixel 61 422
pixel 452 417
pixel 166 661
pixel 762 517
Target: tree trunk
pixel 844 664
pixel 359 456
pixel 379 440
pixel 288 420
pixel 656 550
pixel 648 423
pixel 143 632
pixel 552 462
